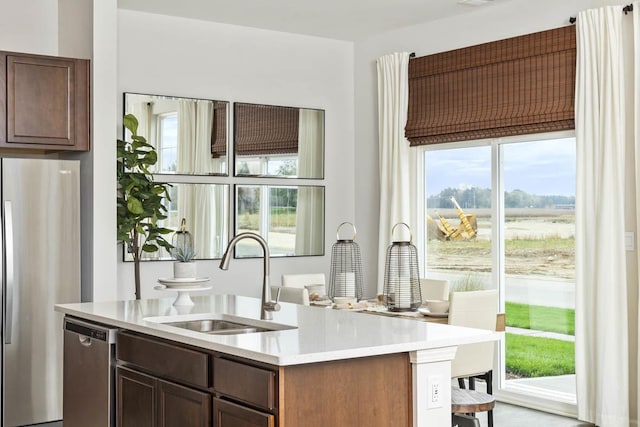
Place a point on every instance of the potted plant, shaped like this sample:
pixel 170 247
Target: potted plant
pixel 183 252
pixel 139 200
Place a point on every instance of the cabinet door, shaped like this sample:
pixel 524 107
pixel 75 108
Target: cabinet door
pixel 182 406
pixel 227 414
pixel 136 399
pixel 47 102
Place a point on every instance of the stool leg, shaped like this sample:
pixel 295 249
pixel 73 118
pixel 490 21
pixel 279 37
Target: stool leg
pixel 490 418
pixel 488 378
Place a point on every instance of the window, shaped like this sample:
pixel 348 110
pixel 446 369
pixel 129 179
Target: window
pixel 167 141
pixel 501 214
pixel 290 218
pixel 268 165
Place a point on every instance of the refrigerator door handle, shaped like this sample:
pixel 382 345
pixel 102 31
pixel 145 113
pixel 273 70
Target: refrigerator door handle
pixel 8 235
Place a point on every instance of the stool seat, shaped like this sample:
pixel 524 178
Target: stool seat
pixel 465 401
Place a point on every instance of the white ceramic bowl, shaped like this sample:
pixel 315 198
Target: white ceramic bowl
pixel 437 306
pixel 345 300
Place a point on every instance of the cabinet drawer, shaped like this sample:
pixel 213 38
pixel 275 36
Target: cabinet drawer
pixel 164 359
pixel 249 384
pixel 227 414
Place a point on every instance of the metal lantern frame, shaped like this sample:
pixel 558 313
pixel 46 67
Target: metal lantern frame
pixel 182 243
pixel 345 279
pixel 401 275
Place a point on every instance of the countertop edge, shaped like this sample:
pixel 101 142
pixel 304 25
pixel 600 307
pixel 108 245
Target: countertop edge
pixel 193 339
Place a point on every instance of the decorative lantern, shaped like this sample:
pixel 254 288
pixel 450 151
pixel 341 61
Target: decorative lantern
pixel 182 244
pixel 183 252
pixel 401 275
pixel 346 267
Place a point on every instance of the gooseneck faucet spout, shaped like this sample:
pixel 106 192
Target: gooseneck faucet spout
pixel 268 306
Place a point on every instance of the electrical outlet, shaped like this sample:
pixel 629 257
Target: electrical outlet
pixel 434 387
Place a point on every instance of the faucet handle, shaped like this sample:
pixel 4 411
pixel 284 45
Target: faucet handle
pixel 273 305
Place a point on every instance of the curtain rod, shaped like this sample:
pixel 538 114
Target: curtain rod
pixel 628 8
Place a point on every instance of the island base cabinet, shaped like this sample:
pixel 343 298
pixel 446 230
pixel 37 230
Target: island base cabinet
pixel 144 400
pixel 369 391
pixel 227 414
pixel 135 399
pixel 181 406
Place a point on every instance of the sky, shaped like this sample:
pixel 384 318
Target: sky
pixel 539 167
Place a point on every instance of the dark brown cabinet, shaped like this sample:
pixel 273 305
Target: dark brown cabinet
pixel 136 399
pixel 180 406
pixel 228 414
pixel 144 400
pixel 44 103
pixel 162 383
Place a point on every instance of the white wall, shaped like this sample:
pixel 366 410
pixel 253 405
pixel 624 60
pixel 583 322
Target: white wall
pixel 175 56
pixel 18 19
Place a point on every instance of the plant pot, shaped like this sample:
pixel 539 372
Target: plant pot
pixel 184 270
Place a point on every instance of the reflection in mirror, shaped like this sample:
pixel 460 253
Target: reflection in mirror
pixel 190 135
pixel 290 218
pixel 205 209
pixel 278 141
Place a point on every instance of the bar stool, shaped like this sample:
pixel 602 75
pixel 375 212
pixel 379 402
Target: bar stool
pixel 465 401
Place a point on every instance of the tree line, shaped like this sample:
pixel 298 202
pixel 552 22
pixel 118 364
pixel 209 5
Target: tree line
pixel 479 198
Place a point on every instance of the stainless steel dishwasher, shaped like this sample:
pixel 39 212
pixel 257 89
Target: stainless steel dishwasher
pixel 89 359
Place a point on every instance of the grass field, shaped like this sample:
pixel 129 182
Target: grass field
pixel 278 220
pixel 531 357
pixel 539 357
pixel 549 319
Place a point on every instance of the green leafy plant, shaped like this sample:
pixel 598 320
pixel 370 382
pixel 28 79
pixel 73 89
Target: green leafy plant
pixel 183 254
pixel 139 200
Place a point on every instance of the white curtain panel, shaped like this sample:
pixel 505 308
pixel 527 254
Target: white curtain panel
pixel 142 111
pixel 199 204
pixel 309 221
pixel 310 204
pixel 310 147
pixel 394 152
pixel 602 347
pixel 636 138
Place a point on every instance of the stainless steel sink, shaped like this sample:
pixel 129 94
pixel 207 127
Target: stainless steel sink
pixel 219 324
pixel 217 327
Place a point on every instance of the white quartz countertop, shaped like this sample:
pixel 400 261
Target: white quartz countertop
pixel 319 334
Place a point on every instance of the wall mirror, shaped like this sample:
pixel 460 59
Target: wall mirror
pixel 205 208
pixel 190 135
pixel 290 218
pixel 274 141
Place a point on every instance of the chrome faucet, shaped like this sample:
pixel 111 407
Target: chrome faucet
pixel 268 306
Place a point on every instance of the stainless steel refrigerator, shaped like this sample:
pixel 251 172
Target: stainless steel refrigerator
pixel 41 267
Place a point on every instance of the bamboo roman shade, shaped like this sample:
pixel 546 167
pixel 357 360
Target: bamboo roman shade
pixel 265 129
pixel 516 86
pixel 219 131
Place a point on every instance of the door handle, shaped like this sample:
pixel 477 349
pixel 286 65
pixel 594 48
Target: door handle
pixel 10 278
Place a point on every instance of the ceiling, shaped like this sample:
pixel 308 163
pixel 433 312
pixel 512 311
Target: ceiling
pixel 336 19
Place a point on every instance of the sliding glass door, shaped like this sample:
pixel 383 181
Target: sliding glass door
pixel 501 214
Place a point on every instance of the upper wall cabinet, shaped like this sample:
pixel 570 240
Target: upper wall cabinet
pixel 44 102
pixel 273 141
pixel 190 135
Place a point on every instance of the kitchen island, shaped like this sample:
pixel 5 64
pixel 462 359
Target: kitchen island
pixel 314 367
